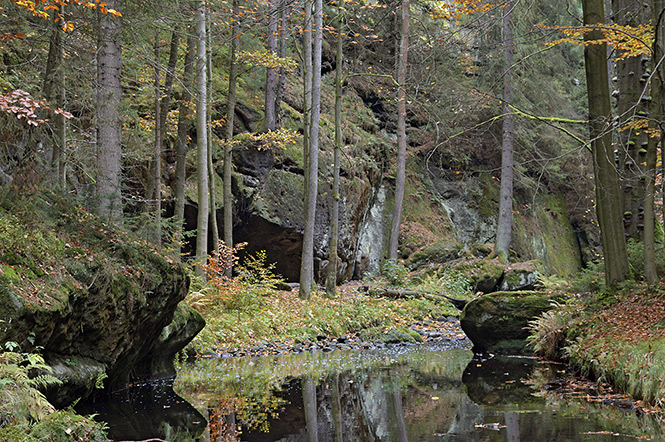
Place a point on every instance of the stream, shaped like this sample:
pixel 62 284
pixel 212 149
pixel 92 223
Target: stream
pixel 427 392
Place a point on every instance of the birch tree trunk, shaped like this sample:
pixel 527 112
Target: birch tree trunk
pixel 606 177
pixel 202 141
pixel 400 181
pixel 505 219
pixel 109 93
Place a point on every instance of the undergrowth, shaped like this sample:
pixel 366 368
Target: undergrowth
pixel 25 413
pixel 614 337
pixel 247 309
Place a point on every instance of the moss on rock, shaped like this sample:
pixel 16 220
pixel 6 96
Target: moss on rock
pixel 498 321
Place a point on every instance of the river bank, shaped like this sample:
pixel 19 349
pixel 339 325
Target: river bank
pixel 617 338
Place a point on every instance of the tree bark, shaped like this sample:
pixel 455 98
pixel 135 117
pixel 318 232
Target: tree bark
pixel 605 172
pixel 230 117
pixel 283 31
pixel 109 93
pixel 271 74
pixel 307 256
pixel 505 219
pixel 656 122
pixel 157 153
pixel 400 181
pixel 184 125
pixel 331 277
pixel 631 145
pixel 54 78
pixel 202 142
pixel 214 230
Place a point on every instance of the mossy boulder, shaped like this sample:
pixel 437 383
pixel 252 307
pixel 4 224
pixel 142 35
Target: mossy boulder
pixel 438 253
pixel 391 335
pixel 521 276
pixel 497 322
pixel 100 301
pixel 484 274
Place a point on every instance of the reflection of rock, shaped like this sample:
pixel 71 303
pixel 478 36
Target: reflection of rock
pixel 499 380
pixel 147 412
pixel 498 321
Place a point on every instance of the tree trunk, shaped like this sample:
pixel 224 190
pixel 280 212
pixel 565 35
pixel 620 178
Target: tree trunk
pixel 631 145
pixel 283 43
pixel 202 142
pixel 307 254
pixel 657 113
pixel 54 78
pixel 184 125
pixel 505 220
pixel 605 172
pixel 230 117
pixel 310 408
pixel 271 74
pixel 214 230
pixel 331 278
pixel 157 153
pixel 109 93
pixel 400 180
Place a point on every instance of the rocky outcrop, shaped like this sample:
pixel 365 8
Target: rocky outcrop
pixel 93 299
pixel 497 322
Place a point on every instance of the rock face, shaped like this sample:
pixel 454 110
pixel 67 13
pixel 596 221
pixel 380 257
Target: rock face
pixel 497 322
pixel 97 302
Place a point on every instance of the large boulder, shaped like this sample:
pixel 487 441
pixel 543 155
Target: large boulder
pixel 94 299
pixel 497 322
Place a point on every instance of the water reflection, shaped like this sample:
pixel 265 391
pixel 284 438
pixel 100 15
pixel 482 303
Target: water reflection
pixel 147 411
pixel 414 393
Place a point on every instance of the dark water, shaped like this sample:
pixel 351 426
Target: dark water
pixel 412 393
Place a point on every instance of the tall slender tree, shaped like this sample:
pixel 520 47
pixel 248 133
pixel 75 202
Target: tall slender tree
pixel 230 118
pixel 54 90
pixel 214 230
pixel 109 93
pixel 184 124
pixel 269 122
pixel 283 31
pixel 307 282
pixel 400 180
pixel 157 152
pixel 203 198
pixel 605 173
pixel 505 219
pixel 331 277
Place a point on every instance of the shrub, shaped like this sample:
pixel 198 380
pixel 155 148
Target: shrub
pixel 548 332
pixel 397 274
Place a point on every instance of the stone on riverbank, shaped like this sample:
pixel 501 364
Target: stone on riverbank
pixel 497 322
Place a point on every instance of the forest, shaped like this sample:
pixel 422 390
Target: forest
pixel 289 170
